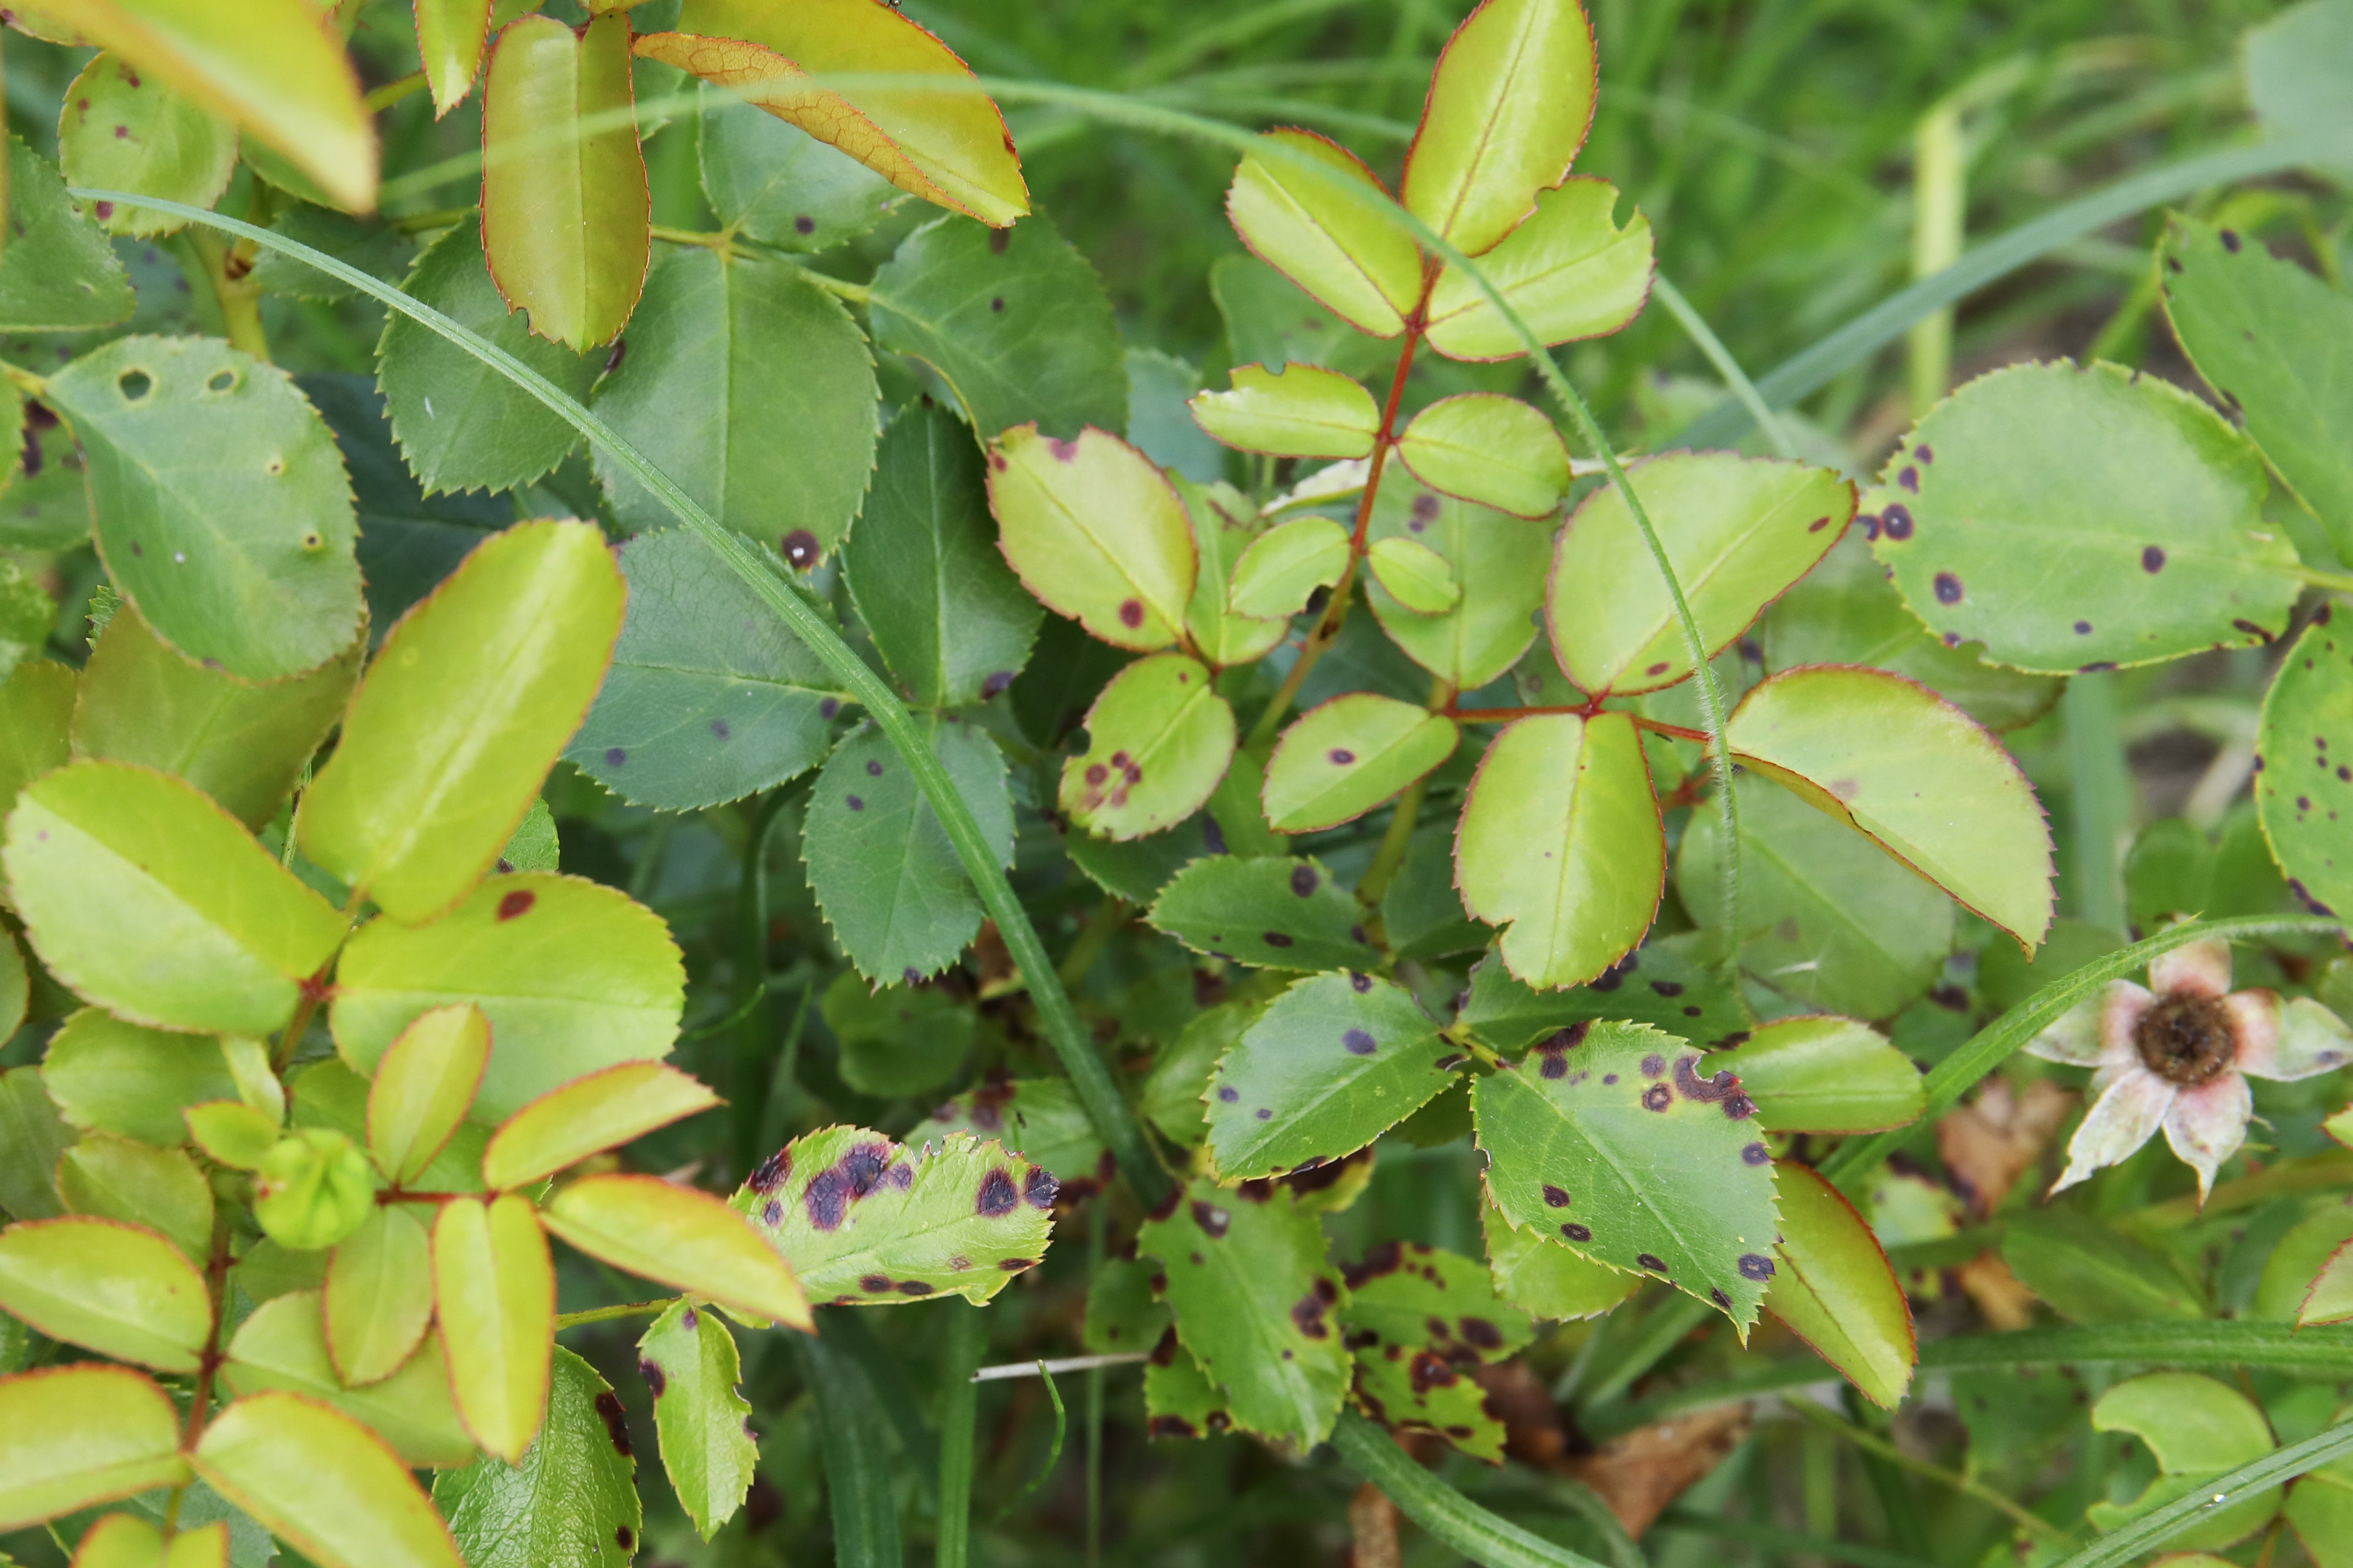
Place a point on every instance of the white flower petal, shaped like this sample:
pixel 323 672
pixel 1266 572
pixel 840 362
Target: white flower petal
pixel 2121 1006
pixel 2195 969
pixel 2305 1040
pixel 2073 1037
pixel 2121 1120
pixel 2207 1124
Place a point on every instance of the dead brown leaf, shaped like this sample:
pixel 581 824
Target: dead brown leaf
pixel 2001 1300
pixel 1987 1144
pixel 1639 1474
pixel 1373 1527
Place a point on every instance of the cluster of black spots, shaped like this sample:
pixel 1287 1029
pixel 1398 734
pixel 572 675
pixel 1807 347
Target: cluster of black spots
pixel 616 1429
pixel 997 1196
pixel 2253 630
pixel 1722 1089
pixel 1358 1043
pixel 831 1192
pixel 1612 977
pixel 1308 1313
pixel 1756 1265
pixel 770 1173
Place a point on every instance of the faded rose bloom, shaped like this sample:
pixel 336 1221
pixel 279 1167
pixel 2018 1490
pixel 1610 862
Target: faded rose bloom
pixel 2178 1056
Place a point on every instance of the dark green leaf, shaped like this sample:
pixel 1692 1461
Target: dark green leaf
pixel 1040 1118
pixel 2303 787
pixel 571 1500
pixel 2086 1272
pixel 1668 982
pixel 896 1040
pixel 1421 913
pixel 775 184
pixel 1278 914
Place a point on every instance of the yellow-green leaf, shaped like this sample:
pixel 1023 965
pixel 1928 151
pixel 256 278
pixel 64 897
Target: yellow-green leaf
pixel 114 1288
pixel 679 1236
pixel 1819 1074
pixel 1418 578
pixel 565 208
pixel 122 131
pixel 1341 758
pixel 1570 272
pixel 1499 562
pixel 74 1435
pixel 494 1292
pixel 104 1073
pixel 1483 446
pixel 1292 411
pixel 1507 110
pixel 450 37
pixel 1284 566
pixel 1545 1278
pixel 425 1083
pixel 378 1298
pixel 127 1541
pixel 460 716
pixel 587 1116
pixel 275 67
pixel 283 1345
pixel 1835 1291
pixel 1158 739
pixel 688 1358
pixel 36 720
pixel 232 1133
pixel 329 1487
pixel 1294 208
pixel 1095 531
pixel 107 1176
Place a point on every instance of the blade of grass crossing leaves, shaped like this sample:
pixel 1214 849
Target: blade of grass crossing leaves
pixel 2275 1468
pixel 968 1343
pixel 857 1461
pixel 1438 1507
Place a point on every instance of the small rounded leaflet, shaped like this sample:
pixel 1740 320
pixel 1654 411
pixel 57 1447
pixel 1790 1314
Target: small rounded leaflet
pixel 1542 1277
pixel 948 146
pixel 1485 447
pixel 1158 739
pixel 2198 1429
pixel 681 1237
pixel 1226 523
pixel 1282 568
pixel 424 1084
pixel 327 1485
pixel 119 1290
pixel 460 716
pixel 1309 208
pixel 566 207
pixel 1291 411
pixel 283 1345
pixel 232 1133
pixel 1341 758
pixel 111 1076
pixel 1835 1291
pixel 1418 578
pixel 690 1361
pixel 451 35
pixel 1816 1073
pixel 2302 740
pixel 122 131
pixel 72 1437
pixel 1569 272
pixel 1095 531
pixel 1508 107
pixel 1913 775
pixel 1560 844
pixel 1737 531
pixel 127 1541
pixel 587 1116
pixel 494 1294
pixel 1999 524
pixel 1500 563
pixel 378 1297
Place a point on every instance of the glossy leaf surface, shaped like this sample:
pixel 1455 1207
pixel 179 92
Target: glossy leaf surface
pixel 1274 913
pixel 494 1294
pixel 679 1236
pixel 1158 739
pixel 1310 209
pixel 123 132
pixel 324 1482
pixel 1498 560
pixel 1834 1290
pixel 423 1086
pixel 1293 411
pixel 378 1298
pixel 2307 711
pixel 1494 450
pixel 281 1346
pixel 1826 1075
pixel 602 1110
pixel 1339 761
pixel 74 1435
pixel 1095 533
pixel 112 1288
pixel 690 1361
pixel 1507 110
pixel 1571 271
pixel 1542 1277
pixel 571 1499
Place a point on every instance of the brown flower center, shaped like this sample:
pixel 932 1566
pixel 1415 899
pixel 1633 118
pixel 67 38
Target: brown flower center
pixel 2186 1040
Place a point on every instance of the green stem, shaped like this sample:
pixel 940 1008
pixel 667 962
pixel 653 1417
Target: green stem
pixel 840 289
pixel 959 1397
pixel 721 240
pixel 1098 1220
pixel 237 293
pixel 607 1314
pixel 1053 1449
pixel 1445 1513
pixel 2336 581
pixel 1939 197
pixel 392 92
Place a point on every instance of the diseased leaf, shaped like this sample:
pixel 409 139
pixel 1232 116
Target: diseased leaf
pixel 379 1300
pixel 107 1176
pixel 1542 1277
pixel 1336 1062
pixel 1274 913
pixel 220 505
pixel 1613 1141
pixel 564 202
pixel 1421 913
pixel 1835 1291
pixel 459 719
pixel 281 1346
pixel 1095 533
pixel 1489 449
pixel 703 394
pixel 881 864
pixel 424 1083
pixel 122 131
pixel 679 1236
pixel 1040 1118
pixel 58 273
pixel 1668 982
pixel 2058 558
pixel 1175 1093
pixel 1500 563
pixel 2307 711
pixel 572 1499
pixel 572 976
pixel 1310 207
pixel 74 1435
pixel 112 1288
pixel 862 1219
pixel 1915 775
pixel 1559 844
pixel 1179 1400
pixel 1016 322
pixel 948 618
pixel 1284 565
pixel 1339 761
pixel 115 1077
pixel 773 183
pixel 688 1360
pixel 1813 1074
pixel 1570 270
pixel 1158 739
pixel 451 35
pixel 1123 1310
pixel 1256 1305
pixel 148 899
pixel 1419 1321
pixel 599 1111
pixel 1297 411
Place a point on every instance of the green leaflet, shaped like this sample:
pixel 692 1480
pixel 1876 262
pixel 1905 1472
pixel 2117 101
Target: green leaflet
pixel 1248 1282
pixel 318 1481
pixel 280 1346
pixel 1013 321
pixel 26 618
pixel 2277 345
pixel 1340 759
pixel 1174 1094
pixel 74 1435
pixel 1509 104
pixel 1422 914
pixel 58 273
pixel 149 900
pixel 1825 917
pixel 1040 1118
pixel 1160 422
pixel 708 699
pixel 424 1083
pixel 449 39
pixel 2087 1273
pixel 589 1115
pixel 754 386
pixel 2149 546
pixel 2196 1428
pixel 108 1176
pixel 2320 1508
pixel 1338 247
pixel 947 615
pixel 16 986
pixel 123 132
pixel 1158 739
pixel 1845 612
pixel 1811 1074
pixel 1570 270
pixel 2299 791
pixel 1418 578
pixel 327 1094
pixel 105 1286
pixel 232 1133
pixel 381 251
pixel 573 975
pixel 682 1236
pixel 494 1298
pixel 1270 321
pixel 1300 411
pixel 1915 775
pixel 1226 524
pixel 117 1077
pixel 1498 560
pixel 896 1040
pixel 533 845
pixel 31 1136
pixel 461 423
pixel 1738 530
pixel 862 1219
pixel 1575 793
pixel 1336 1062
pixel 1668 982
pixel 573 1497
pixel 688 1360
pixel 1418 1320
pixel 379 1300
pixel 1542 1277
pixel 1282 568
pixel 1095 533
pixel 1616 1144
pixel 36 703
pixel 1123 1312
pixel 773 183
pixel 1486 448
pixel 1279 914
pixel 244 745
pixel 219 502
pixel 879 862
pixel 1835 1291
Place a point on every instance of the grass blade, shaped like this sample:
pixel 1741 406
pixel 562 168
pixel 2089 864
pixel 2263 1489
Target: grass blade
pixel 1440 1509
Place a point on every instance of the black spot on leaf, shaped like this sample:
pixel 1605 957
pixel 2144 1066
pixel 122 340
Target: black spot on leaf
pixel 997 1196
pixel 1756 1265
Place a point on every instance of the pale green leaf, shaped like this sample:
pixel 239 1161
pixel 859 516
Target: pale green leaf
pixel 1418 578
pixel 58 273
pixel 1096 532
pixel 378 1298
pixel 688 1358
pixel 1817 1073
pixel 494 1296
pixel 1283 567
pixel 323 1482
pixel 283 1345
pixel 1339 761
pixel 108 1287
pixel 1500 563
pixel 1492 450
pixel 107 1176
pixel 107 1074
pixel 1835 1291
pixel 1158 739
pixel 451 36
pixel 587 1116
pixel 1542 1277
pixel 1571 271
pixel 1226 525
pixel 2190 1422
pixel 1300 411
pixel 1508 107
pixel 682 1238
pixel 773 182
pixel 326 1094
pixel 123 132
pixel 74 1435
pixel 2308 712
pixel 232 1133
pixel 1274 913
pixel 1040 1118
pixel 424 1083
pixel 1311 208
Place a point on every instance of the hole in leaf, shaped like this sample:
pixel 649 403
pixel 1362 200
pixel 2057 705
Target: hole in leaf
pixel 221 380
pixel 134 384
